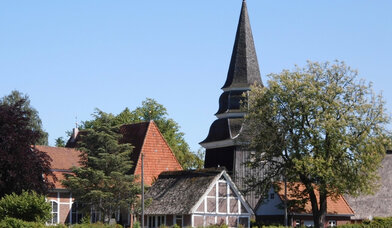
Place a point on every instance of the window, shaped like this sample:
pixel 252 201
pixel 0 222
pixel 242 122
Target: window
pixel 76 214
pixel 54 212
pixel 95 215
pixel 179 220
pixel 272 195
pixel 308 223
pixel 156 221
pixel 331 223
pixel 160 221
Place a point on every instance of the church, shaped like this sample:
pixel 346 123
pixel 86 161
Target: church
pixel 225 173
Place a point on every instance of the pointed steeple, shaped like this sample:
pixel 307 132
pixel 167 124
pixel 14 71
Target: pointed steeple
pixel 244 68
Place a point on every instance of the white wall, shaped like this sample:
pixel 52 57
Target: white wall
pixel 270 206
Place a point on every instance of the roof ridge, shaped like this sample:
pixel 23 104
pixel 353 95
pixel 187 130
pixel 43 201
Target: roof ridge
pixel 167 144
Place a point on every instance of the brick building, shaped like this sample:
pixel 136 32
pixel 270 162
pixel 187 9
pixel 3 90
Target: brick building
pixel 145 137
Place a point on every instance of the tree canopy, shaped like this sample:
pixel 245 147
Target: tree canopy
pixel 152 110
pixel 35 123
pixel 23 167
pixel 103 181
pixel 321 127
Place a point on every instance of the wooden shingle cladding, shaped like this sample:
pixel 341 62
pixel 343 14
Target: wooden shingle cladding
pixel 197 198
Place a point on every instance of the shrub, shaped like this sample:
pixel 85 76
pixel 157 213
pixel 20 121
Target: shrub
pixel 96 225
pixel 17 223
pixel 28 206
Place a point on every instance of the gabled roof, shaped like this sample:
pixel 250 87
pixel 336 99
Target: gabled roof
pixel 379 204
pixel 158 156
pixel 134 134
pixel 244 67
pixel 338 205
pixel 177 192
pixel 63 159
pixel 181 192
pixel 145 138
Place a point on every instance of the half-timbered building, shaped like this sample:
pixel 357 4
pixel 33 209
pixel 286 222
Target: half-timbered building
pixel 197 199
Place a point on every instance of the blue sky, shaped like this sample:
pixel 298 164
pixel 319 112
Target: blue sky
pixel 72 56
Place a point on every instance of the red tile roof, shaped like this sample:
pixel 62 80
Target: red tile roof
pixel 336 205
pixel 145 137
pixel 158 156
pixel 62 161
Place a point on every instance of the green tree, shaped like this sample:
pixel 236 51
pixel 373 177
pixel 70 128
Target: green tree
pixel 319 126
pixel 103 181
pixel 28 206
pixel 35 123
pixel 152 110
pixel 60 142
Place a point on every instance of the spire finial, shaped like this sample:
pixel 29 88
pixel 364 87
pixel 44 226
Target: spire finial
pixel 76 121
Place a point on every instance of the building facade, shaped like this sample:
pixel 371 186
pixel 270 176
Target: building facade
pixel 145 138
pixel 196 199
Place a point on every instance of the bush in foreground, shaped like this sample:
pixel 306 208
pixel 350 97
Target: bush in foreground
pixel 28 206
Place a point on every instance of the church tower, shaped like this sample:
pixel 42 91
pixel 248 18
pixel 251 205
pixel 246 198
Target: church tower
pixel 221 146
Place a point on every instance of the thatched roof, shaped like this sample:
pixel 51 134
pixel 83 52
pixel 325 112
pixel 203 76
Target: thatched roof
pixel 379 204
pixel 177 192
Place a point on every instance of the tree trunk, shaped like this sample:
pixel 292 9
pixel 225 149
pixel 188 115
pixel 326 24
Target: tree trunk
pixel 319 209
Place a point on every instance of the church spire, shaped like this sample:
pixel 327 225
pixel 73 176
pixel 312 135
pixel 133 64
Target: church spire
pixel 244 68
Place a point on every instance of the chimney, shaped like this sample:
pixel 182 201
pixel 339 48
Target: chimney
pixel 75 133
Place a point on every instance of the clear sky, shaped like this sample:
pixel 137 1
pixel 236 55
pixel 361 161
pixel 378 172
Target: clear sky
pixel 73 56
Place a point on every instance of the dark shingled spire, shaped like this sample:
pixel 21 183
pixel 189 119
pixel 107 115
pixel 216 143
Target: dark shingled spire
pixel 244 68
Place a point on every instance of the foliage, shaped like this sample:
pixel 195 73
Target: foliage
pixel 152 110
pixel 375 223
pixel 103 181
pixel 23 167
pixel 318 126
pixel 60 142
pixel 17 223
pixel 28 206
pixel 35 123
pixel 136 224
pixel 96 225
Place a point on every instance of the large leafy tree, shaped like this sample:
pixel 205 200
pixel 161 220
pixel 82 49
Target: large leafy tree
pixel 152 110
pixel 35 122
pixel 321 127
pixel 103 181
pixel 23 167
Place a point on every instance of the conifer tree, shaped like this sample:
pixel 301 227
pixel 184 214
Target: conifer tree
pixel 103 182
pixel 152 110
